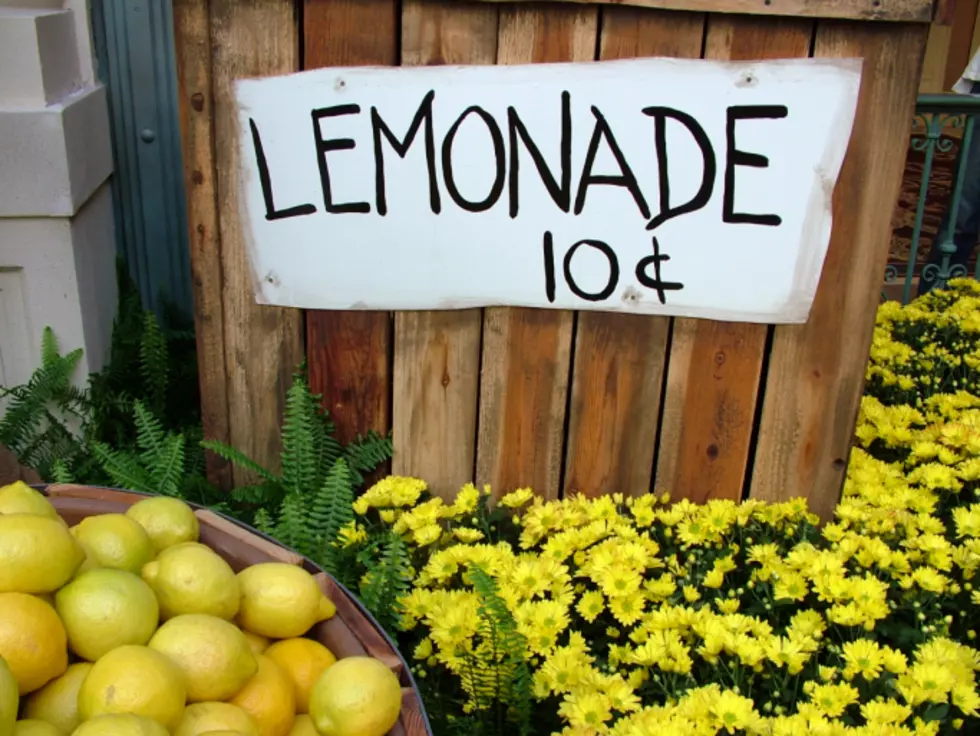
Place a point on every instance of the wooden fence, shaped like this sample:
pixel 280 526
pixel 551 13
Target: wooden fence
pixel 560 401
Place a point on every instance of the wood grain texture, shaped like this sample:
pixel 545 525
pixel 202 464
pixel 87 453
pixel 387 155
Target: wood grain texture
pixel 437 354
pixel 263 345
pixel 619 358
pixel 816 371
pixel 920 11
pixel 527 352
pixel 349 353
pixel 192 37
pixel 715 367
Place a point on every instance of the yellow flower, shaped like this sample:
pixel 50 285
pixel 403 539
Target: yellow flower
pixel 733 712
pixel 516 499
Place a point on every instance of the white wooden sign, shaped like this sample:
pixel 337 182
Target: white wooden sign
pixel 656 186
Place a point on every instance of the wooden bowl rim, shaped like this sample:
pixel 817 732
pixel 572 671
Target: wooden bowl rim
pixel 308 564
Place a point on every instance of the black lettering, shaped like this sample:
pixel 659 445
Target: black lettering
pixel 500 157
pixel 613 271
pixel 271 213
pixel 708 171
pixel 560 193
pixel 625 179
pixel 334 144
pixel 736 157
pixel 379 128
pixel 656 283
pixel 549 266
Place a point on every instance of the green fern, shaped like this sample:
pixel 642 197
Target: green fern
pixel 236 457
pixel 123 468
pixel 505 685
pixel 154 363
pixel 330 509
pixel 299 455
pixel 60 472
pixel 387 581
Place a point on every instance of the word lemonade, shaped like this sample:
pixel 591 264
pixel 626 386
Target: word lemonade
pixel 556 185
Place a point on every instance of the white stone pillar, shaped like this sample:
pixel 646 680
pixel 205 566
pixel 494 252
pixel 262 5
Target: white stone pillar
pixel 57 239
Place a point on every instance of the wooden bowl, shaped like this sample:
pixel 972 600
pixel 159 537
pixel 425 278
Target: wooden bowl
pixel 353 631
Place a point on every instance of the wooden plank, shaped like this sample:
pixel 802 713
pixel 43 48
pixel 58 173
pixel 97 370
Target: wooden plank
pixel 961 40
pixel 932 80
pixel 192 37
pixel 816 371
pixel 619 358
pixel 263 345
pixel 527 352
pixel 349 353
pixel 714 367
pixel 919 11
pixel 437 354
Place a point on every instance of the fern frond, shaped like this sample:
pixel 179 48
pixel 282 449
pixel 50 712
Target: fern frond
pixel 150 434
pixel 298 452
pixel 330 509
pixel 167 470
pixel 124 469
pixel 386 582
pixel 60 473
pixel 505 681
pixel 154 362
pixel 264 523
pixel 366 454
pixel 291 528
pixel 49 346
pixel 226 452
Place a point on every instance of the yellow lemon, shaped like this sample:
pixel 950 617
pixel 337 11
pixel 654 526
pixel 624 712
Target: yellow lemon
pixel 134 679
pixel 201 718
pixel 281 601
pixel 258 644
pixel 357 696
pixel 213 654
pixel 31 727
pixel 223 733
pixel 303 726
pixel 57 702
pixel 114 540
pixel 120 724
pixel 9 698
pixel 20 498
pixel 192 578
pixel 32 640
pixel 37 554
pixel 167 521
pixel 303 661
pixel 105 608
pixel 269 697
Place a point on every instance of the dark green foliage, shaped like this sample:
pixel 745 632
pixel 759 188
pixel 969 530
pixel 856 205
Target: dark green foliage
pixel 306 504
pixel 507 688
pixel 388 577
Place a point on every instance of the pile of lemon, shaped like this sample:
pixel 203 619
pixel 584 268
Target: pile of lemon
pixel 126 625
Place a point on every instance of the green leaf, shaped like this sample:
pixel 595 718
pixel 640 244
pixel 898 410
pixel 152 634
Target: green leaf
pixel 236 457
pixel 937 712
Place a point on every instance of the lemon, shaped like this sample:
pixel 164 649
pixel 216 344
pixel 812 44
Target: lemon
pixel 303 726
pixel 20 498
pixel 357 696
pixel 37 554
pixel 32 640
pixel 270 698
pixel 258 644
pixel 201 718
pixel 167 521
pixel 213 654
pixel 31 727
pixel 134 679
pixel 223 733
pixel 120 724
pixel 103 609
pixel 57 702
pixel 9 698
pixel 191 578
pixel 281 601
pixel 114 540
pixel 303 661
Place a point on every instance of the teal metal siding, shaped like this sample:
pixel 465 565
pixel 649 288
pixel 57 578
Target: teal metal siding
pixel 135 50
